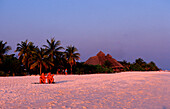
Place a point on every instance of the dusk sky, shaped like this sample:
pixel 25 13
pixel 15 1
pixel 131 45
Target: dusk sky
pixel 126 29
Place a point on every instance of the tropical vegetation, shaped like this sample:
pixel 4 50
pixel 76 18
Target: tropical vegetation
pixel 139 65
pixel 3 49
pixel 71 56
pixel 54 58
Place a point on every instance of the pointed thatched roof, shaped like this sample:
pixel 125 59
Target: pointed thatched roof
pixel 100 59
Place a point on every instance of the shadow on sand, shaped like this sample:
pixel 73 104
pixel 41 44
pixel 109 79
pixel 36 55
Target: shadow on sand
pixel 55 82
pixel 164 107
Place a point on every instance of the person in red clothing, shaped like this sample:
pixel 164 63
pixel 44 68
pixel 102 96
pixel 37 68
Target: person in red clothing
pixel 42 78
pixel 65 71
pixel 50 78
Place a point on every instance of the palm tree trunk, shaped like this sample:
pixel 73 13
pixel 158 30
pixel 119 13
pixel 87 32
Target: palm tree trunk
pixel 27 67
pixel 40 68
pixel 71 69
pixel 52 61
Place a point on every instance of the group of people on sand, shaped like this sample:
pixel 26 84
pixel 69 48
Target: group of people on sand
pixel 59 71
pixel 49 78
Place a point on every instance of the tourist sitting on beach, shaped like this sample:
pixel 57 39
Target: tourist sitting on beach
pixel 50 78
pixel 42 78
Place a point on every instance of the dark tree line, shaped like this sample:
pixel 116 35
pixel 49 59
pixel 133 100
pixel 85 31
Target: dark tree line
pixel 34 60
pixel 54 58
pixel 139 65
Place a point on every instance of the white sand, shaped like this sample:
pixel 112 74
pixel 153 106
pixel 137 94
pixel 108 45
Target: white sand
pixel 141 90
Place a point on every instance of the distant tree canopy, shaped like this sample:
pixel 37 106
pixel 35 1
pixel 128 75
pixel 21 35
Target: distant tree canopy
pixel 55 59
pixel 139 65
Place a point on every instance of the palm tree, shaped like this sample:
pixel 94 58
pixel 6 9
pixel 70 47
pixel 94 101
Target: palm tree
pixel 71 56
pixel 3 49
pixel 40 59
pixel 25 53
pixel 53 49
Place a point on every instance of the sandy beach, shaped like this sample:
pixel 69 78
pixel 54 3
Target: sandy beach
pixel 127 90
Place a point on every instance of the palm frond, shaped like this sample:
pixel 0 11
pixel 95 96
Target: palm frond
pixel 34 65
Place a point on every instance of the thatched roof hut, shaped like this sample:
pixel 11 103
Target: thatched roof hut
pixel 100 59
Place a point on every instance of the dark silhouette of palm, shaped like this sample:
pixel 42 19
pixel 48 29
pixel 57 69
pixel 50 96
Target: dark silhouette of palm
pixel 40 59
pixel 53 48
pixel 25 53
pixel 3 49
pixel 71 56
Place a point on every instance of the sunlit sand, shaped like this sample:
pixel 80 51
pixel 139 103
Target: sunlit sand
pixel 141 90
